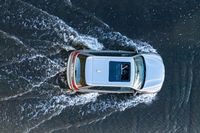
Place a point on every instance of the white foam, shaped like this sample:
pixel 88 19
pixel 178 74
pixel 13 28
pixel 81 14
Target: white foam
pixel 127 42
pixel 59 102
pixel 134 101
pixel 56 105
pixel 105 105
pixel 108 107
pixel 88 41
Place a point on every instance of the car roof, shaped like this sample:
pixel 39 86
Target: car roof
pixel 97 71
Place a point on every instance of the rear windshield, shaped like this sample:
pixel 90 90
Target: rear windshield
pixel 80 70
pixel 119 71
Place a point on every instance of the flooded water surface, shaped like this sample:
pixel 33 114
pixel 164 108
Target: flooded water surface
pixel 36 37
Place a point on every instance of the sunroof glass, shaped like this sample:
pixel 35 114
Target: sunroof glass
pixel 119 71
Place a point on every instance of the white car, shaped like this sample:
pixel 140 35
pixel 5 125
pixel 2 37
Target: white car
pixel 115 72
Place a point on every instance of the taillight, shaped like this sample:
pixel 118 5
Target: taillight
pixel 74 85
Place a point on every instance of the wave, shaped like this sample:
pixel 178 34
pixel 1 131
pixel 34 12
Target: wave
pixel 87 24
pixel 40 25
pixel 94 108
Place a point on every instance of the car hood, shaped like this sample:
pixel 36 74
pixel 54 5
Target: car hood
pixel 155 73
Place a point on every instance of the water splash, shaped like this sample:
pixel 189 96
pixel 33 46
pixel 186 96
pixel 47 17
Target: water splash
pixel 56 104
pixel 41 26
pixel 116 104
pixel 88 42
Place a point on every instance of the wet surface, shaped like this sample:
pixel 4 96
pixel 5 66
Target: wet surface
pixel 36 37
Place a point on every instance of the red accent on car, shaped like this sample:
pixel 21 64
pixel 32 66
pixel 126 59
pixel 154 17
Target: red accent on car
pixel 74 55
pixel 74 85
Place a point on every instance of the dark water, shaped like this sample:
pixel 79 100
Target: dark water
pixel 35 37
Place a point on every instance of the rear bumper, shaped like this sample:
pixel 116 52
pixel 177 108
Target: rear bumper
pixel 71 71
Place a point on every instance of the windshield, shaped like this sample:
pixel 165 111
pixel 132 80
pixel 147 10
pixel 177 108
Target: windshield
pixel 139 72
